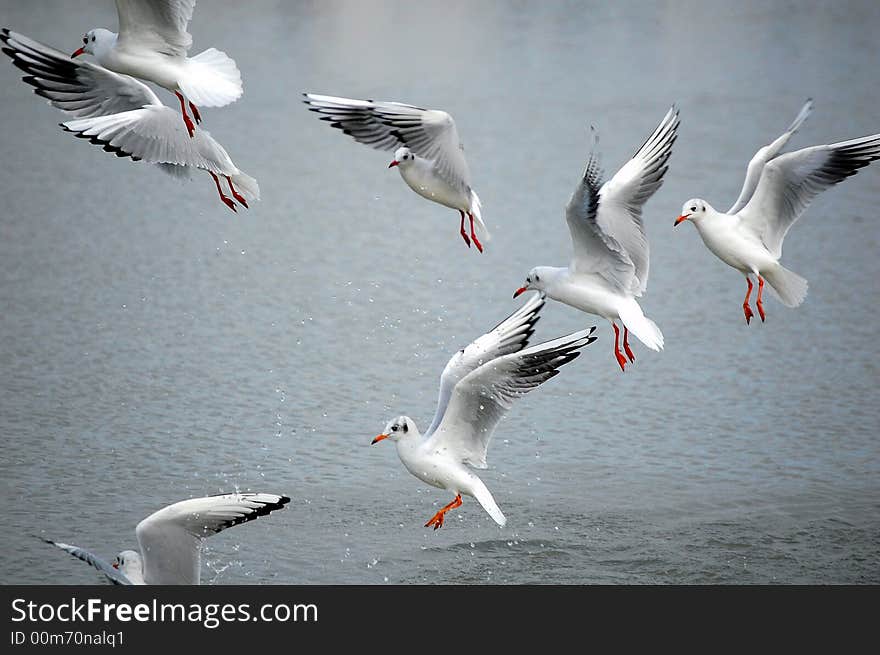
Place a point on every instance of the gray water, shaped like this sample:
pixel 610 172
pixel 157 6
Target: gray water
pixel 155 347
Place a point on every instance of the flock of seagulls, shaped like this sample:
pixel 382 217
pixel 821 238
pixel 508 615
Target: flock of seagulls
pixel 109 104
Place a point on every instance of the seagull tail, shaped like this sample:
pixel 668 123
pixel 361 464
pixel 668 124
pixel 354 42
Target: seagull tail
pixel 246 185
pixel 476 211
pixel 211 80
pixel 640 325
pixel 484 497
pixel 790 287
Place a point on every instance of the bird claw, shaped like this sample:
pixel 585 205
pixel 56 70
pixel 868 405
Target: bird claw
pixel 748 313
pixel 621 360
pixel 760 307
pixel 189 126
pixel 467 239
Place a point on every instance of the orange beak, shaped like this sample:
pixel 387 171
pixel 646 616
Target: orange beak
pixel 519 291
pixel 393 164
pixel 77 53
pixel 681 218
pixel 378 438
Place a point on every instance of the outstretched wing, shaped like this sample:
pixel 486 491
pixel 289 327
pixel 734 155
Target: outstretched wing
pixel 482 397
pixel 605 220
pixel 112 574
pixel 510 335
pixel 765 154
pixel 171 538
pixel 158 25
pixel 429 133
pixel 790 182
pixel 77 87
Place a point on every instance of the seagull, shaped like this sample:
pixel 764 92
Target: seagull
pixel 777 190
pixel 171 539
pixel 477 387
pixel 609 264
pixel 427 151
pixel 152 44
pixel 124 116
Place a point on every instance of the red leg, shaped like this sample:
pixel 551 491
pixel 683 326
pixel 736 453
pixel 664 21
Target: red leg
pixel 437 519
pixel 474 234
pixel 620 358
pixel 759 304
pixel 463 233
pixel 226 201
pixel 235 194
pixel 629 353
pixel 195 113
pixel 746 309
pixel 186 121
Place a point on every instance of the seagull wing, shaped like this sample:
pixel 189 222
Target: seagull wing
pixel 765 154
pixel 171 538
pixel 619 213
pixel 510 335
pixel 101 565
pixel 158 25
pixel 77 87
pixel 789 183
pixel 484 395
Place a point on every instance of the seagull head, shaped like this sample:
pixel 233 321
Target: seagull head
pixel 693 210
pixel 536 280
pixel 95 42
pixel 397 429
pixel 403 157
pixel 128 562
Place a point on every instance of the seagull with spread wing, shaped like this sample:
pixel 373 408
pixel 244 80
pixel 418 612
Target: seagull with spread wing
pixel 124 116
pixel 477 387
pixel 777 191
pixel 152 44
pixel 171 539
pixel 427 150
pixel 610 260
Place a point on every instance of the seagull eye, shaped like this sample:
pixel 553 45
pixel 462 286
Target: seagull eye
pixel 86 38
pixel 693 209
pixel 394 428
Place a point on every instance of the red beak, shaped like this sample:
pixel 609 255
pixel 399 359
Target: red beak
pixel 681 218
pixel 77 52
pixel 378 438
pixel 393 164
pixel 519 291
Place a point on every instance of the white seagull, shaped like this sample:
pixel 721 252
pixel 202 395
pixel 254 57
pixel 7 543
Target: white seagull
pixel 477 387
pixel 777 190
pixel 124 116
pixel 609 264
pixel 152 44
pixel 171 539
pixel 427 150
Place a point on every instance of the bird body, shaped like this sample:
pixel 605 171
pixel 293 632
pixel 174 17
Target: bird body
pixel 427 150
pixel 777 190
pixel 610 258
pixel 477 387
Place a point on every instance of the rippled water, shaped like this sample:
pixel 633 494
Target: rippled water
pixel 155 347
